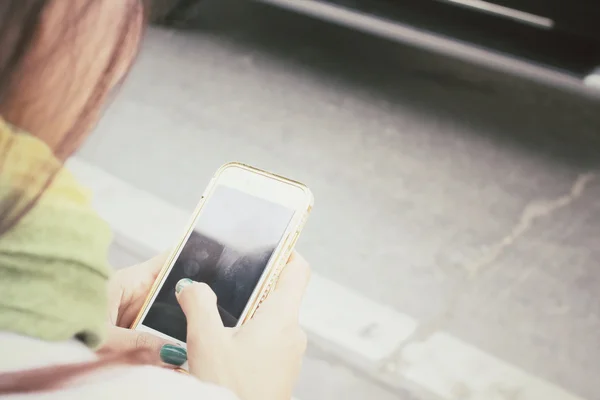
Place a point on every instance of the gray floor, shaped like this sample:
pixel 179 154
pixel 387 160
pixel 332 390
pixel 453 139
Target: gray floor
pixel 465 198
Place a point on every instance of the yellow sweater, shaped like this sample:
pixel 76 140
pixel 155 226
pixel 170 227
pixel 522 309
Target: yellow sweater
pixel 53 261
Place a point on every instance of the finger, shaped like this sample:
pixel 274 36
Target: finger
pixel 199 304
pixel 156 263
pixel 121 340
pixel 287 297
pixel 135 283
pixel 149 268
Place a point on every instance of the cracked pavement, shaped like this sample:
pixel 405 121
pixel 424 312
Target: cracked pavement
pixel 464 198
pixel 536 209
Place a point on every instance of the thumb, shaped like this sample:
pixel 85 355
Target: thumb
pixel 122 340
pixel 199 304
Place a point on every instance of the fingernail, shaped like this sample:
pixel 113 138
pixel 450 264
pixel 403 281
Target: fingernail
pixel 182 283
pixel 174 355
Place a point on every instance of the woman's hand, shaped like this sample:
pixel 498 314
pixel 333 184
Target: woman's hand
pixel 260 360
pixel 127 291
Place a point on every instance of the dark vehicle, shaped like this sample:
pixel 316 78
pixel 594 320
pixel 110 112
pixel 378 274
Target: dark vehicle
pixel 557 40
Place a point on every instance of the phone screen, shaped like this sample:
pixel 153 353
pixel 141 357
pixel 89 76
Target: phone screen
pixel 229 249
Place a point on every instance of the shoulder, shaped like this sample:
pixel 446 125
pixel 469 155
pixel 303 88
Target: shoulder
pixel 147 383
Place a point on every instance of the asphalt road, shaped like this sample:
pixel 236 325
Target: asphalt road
pixel 463 197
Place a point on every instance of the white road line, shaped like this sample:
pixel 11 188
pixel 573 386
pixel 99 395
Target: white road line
pixel 360 331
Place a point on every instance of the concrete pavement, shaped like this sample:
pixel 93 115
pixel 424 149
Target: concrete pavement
pixel 381 343
pixel 460 197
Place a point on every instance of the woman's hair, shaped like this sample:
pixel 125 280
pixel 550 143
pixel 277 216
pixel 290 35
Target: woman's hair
pixel 56 376
pixel 19 21
pixel 59 60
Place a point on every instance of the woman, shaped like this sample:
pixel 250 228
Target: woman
pixel 59 61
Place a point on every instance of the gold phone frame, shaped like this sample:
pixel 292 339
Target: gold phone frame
pixel 277 261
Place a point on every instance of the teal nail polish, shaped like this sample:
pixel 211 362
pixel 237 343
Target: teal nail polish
pixel 174 355
pixel 182 283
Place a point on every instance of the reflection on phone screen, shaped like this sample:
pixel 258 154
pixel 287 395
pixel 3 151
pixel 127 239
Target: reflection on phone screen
pixel 232 243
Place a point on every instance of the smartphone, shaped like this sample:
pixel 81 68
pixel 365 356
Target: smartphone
pixel 240 236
